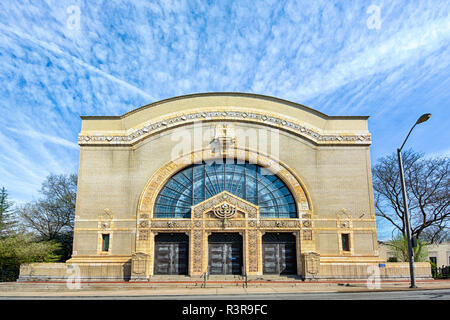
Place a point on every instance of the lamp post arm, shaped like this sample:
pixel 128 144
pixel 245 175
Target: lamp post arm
pixel 407 136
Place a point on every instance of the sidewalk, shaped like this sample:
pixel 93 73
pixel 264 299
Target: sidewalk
pixel 86 290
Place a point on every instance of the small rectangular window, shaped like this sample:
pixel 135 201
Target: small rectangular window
pixel 105 243
pixel 345 242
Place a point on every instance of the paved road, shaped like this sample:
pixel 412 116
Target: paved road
pixel 441 294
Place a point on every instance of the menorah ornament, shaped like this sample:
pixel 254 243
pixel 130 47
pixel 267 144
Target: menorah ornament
pixel 224 211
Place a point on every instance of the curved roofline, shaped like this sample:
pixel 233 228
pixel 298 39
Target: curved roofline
pixel 230 94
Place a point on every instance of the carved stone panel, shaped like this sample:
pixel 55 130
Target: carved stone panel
pixel 105 225
pixel 311 264
pixel 344 219
pixel 197 249
pixel 139 264
pixel 224 138
pixel 252 251
pixel 307 235
pixel 105 219
pixel 143 234
pixel 143 224
pixel 107 214
pixel 307 223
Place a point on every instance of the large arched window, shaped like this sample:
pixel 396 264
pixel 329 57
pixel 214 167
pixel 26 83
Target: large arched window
pixel 248 181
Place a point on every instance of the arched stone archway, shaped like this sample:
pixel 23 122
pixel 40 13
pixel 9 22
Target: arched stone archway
pixel 161 176
pixel 203 221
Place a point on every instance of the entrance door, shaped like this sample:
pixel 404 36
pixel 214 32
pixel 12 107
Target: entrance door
pixel 279 253
pixel 225 253
pixel 171 253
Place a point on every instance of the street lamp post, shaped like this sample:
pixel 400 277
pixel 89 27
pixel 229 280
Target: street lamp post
pixel 422 118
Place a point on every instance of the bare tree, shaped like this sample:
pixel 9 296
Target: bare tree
pixel 436 234
pixel 54 213
pixel 427 184
pixel 52 216
pixel 60 193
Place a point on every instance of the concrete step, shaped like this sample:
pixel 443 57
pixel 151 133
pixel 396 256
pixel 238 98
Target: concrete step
pixel 159 281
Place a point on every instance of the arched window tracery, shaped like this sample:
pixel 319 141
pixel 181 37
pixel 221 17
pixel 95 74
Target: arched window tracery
pixel 248 181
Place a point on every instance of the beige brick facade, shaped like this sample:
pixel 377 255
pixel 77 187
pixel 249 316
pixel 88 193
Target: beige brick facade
pixel 125 161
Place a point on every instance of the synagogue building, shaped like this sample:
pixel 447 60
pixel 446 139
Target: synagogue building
pixel 224 184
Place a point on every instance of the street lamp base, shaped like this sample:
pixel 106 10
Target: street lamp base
pixel 413 286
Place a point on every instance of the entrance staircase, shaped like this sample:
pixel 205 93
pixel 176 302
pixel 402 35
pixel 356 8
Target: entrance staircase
pixel 161 281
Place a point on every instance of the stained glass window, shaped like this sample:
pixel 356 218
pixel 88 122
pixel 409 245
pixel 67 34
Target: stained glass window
pixel 248 181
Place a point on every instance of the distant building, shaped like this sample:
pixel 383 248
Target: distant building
pixel 437 253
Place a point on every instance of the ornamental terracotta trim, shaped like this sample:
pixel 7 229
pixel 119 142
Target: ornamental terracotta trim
pixel 133 136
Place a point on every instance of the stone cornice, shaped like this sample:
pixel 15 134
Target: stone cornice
pixel 133 136
pixel 228 94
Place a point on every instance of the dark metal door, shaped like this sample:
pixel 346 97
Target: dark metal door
pixel 171 254
pixel 225 254
pixel 279 254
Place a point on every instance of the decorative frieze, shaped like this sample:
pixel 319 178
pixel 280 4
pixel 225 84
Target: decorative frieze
pixel 278 224
pixel 198 224
pixel 225 223
pixel 183 224
pixel 274 120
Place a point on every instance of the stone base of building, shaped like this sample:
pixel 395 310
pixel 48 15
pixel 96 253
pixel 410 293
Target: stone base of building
pixel 121 272
pixel 364 271
pixel 73 272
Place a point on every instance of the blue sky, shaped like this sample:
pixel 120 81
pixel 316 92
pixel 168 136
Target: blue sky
pixel 120 55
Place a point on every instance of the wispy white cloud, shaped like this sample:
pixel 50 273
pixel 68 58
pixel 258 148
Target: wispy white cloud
pixel 71 59
pixel 42 137
pixel 126 54
pixel 407 46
